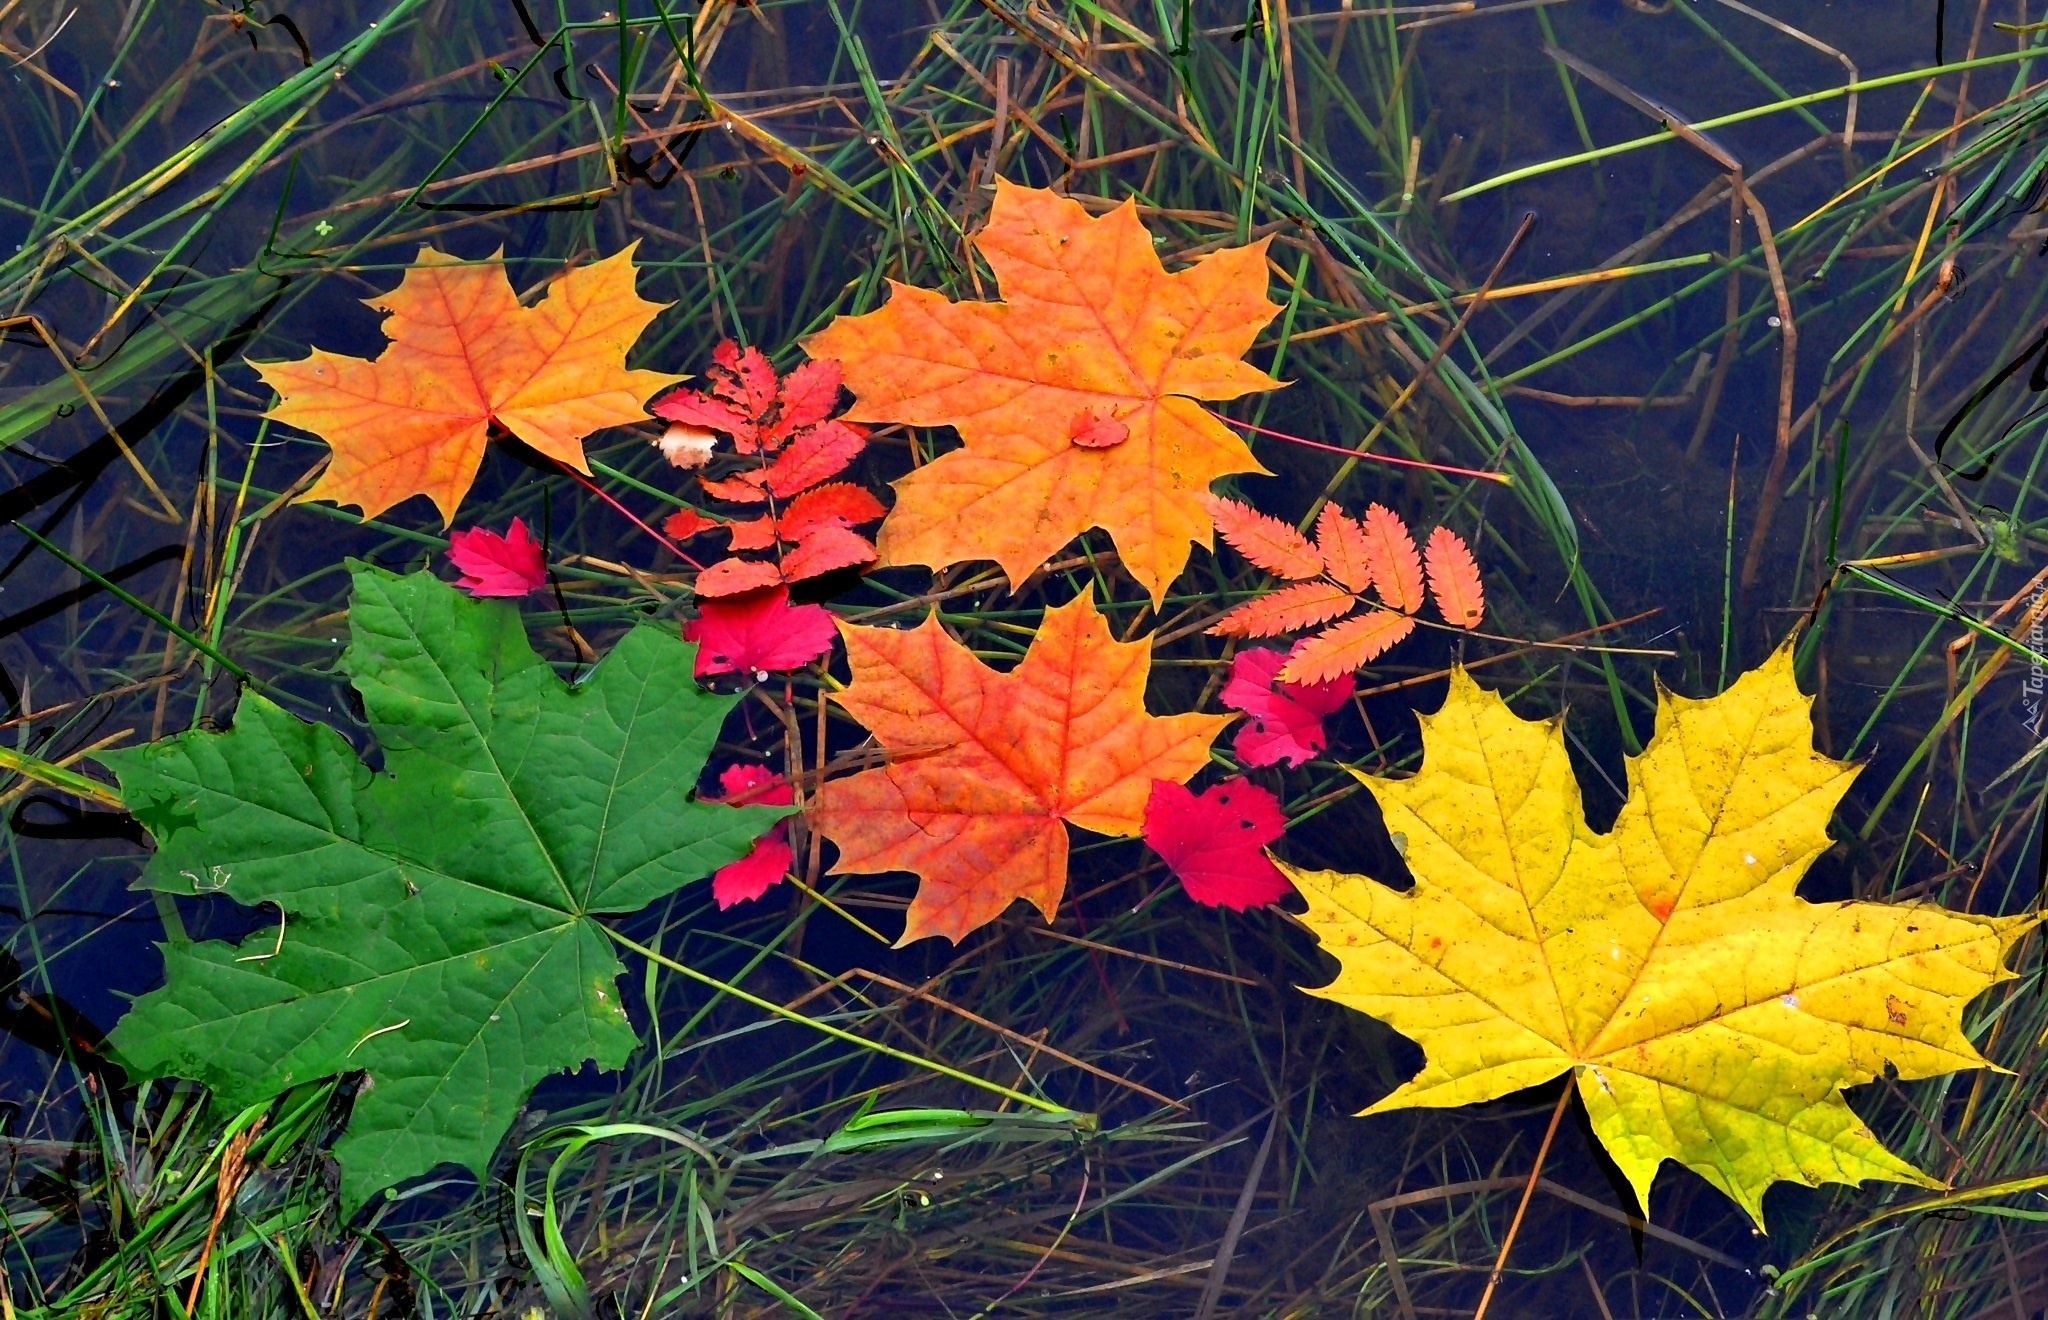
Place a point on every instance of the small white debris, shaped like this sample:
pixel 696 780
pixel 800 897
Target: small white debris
pixel 1789 1000
pixel 1749 858
pixel 687 446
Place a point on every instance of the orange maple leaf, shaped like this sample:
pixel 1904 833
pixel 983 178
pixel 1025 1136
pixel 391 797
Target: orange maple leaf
pixel 1075 397
pixel 1328 578
pixel 464 354
pixel 1061 739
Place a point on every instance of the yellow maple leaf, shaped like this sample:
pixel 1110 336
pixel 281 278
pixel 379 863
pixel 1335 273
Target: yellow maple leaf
pixel 1076 396
pixel 1708 1014
pixel 464 353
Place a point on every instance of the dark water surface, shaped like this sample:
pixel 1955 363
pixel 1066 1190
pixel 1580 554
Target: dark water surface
pixel 267 245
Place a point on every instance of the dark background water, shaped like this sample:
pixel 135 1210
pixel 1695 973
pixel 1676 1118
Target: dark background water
pixel 1651 517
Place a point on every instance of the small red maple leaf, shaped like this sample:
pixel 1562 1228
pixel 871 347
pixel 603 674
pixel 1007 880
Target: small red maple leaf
pixel 1286 724
pixel 1214 842
pixel 758 633
pixel 769 860
pixel 492 564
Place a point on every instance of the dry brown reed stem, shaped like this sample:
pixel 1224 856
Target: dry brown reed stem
pixel 234 1169
pixel 1788 367
pixel 1507 1243
pixel 924 994
pixel 1731 330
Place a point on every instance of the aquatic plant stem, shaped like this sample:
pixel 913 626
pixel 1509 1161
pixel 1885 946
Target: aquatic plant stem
pixel 129 599
pixel 1733 117
pixel 1507 1243
pixel 768 1005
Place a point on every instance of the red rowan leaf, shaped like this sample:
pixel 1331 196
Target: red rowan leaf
pixel 839 504
pixel 686 523
pixel 740 488
pixel 730 577
pixel 746 378
pixel 808 396
pixel 696 408
pixel 753 534
pixel 819 453
pixel 825 549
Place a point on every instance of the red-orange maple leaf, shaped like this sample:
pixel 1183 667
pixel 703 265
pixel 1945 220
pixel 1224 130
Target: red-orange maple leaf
pixel 464 354
pixel 1061 739
pixel 1077 397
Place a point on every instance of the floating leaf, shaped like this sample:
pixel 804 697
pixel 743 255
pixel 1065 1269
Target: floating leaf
pixel 1092 330
pixel 1286 724
pixel 1214 842
pixel 440 915
pixel 464 355
pixel 768 862
pixel 758 633
pixel 1346 551
pixel 1706 1013
pixel 1396 568
pixel 495 565
pixel 1454 579
pixel 1299 605
pixel 1342 647
pixel 1265 541
pixel 1062 738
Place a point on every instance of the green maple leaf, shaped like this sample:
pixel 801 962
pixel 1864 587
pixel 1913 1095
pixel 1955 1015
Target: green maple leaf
pixel 438 930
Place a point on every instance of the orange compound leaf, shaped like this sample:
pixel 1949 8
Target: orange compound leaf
pixel 733 577
pixel 1347 555
pixel 1396 568
pixel 825 550
pixel 1093 338
pixel 1063 738
pixel 1302 605
pixel 464 354
pixel 1454 579
pixel 1265 541
pixel 1342 647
